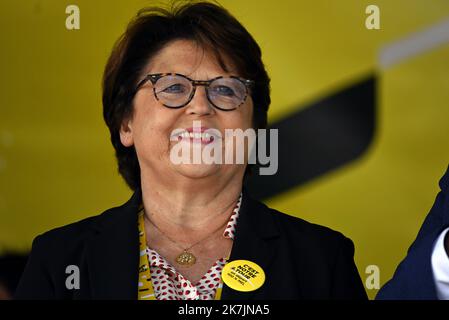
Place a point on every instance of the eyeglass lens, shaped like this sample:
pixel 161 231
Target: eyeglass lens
pixel 225 93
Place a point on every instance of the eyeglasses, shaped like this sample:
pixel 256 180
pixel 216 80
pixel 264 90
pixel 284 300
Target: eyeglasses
pixel 175 90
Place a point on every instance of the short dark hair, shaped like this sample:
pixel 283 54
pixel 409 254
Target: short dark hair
pixel 210 26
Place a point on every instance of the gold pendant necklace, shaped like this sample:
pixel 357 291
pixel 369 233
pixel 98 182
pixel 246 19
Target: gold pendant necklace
pixel 185 258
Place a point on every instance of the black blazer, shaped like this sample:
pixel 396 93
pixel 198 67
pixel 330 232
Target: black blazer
pixel 301 260
pixel 413 278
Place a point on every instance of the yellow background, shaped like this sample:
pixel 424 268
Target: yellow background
pixel 57 165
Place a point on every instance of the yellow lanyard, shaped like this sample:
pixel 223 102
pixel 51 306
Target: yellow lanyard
pixel 146 291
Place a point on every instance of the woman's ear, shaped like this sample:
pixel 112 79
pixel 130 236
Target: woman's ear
pixel 126 133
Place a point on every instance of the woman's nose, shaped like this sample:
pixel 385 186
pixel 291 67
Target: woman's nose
pixel 200 103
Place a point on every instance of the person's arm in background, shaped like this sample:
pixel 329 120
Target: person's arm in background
pixel 416 276
pixel 440 265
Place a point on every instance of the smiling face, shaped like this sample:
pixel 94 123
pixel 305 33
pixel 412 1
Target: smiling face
pixel 151 125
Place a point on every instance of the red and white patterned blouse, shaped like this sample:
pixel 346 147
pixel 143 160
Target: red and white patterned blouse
pixel 169 284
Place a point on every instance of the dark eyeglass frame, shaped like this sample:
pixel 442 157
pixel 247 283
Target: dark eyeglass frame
pixel 154 77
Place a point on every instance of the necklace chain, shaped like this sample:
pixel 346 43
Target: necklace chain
pixel 191 246
pixel 185 258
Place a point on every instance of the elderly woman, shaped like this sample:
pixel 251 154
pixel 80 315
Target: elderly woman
pixel 173 77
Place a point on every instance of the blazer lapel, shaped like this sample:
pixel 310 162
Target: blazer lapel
pixel 113 253
pixel 256 241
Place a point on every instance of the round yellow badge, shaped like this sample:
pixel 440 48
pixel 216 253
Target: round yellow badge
pixel 243 275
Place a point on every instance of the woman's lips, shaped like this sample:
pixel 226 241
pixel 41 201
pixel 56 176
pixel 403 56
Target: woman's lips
pixel 196 137
pixel 201 135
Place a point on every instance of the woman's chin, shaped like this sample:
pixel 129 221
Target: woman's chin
pixel 197 171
